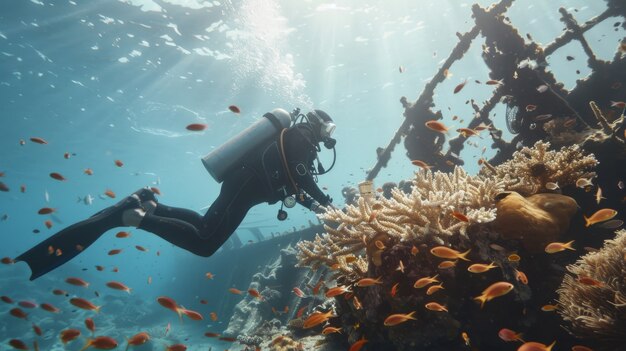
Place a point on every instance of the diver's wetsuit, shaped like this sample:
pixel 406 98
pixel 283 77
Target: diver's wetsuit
pixel 257 181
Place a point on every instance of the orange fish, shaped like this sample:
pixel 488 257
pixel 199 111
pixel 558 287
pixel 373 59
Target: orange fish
pixel 122 235
pixel 509 335
pixel 38 140
pixel 395 319
pixel 421 164
pixel 558 247
pixel 255 293
pixel 68 335
pixel 208 275
pixel 66 155
pixel 446 252
pixel 531 108
pixel 446 264
pixel 234 109
pixel 140 248
pixel 168 303
pixel 18 312
pixel 480 267
pixel 434 306
pixel 114 252
pixel 460 87
pixel 155 190
pixel 110 193
pixel 22 188
pixel 228 339
pixel 57 176
pixel 50 308
pixel 18 344
pixel 356 303
pixel 235 291
pixel 6 299
pixel 589 281
pixel 336 291
pixel 176 347
pixel 317 318
pixel 301 311
pixel 581 348
pixel 88 171
pixel 330 330
pixel 394 290
pixel 368 282
pixel 59 292
pixel 460 216
pixel 493 82
pixel 193 315
pixel 48 224
pixel 211 335
pixel 119 163
pixel 196 127
pixel 549 308
pixel 600 216
pixel 298 292
pixel 422 282
pixel 77 282
pixel 521 277
pixel 100 268
pixel 618 104
pixel 100 342
pixel 467 132
pixel 316 288
pixel 84 304
pixel 37 330
pixel 436 126
pixel 27 304
pixel 514 258
pixel 91 326
pixel 414 250
pixel 7 260
pixel 494 290
pixel 45 210
pixel 358 345
pixel 213 316
pixel 536 346
pixel 118 286
pixel 433 289
pixel 139 339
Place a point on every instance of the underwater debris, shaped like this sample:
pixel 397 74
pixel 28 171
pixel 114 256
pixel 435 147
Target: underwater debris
pixel 592 298
pixel 531 169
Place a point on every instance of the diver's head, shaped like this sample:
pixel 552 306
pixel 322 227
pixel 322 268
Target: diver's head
pixel 323 127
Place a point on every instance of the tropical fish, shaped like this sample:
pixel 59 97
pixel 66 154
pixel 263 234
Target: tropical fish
pixel 433 289
pixel 101 343
pixel 91 326
pixel 521 277
pixel 18 312
pixel 88 171
pixel 436 126
pixel 208 275
pixel 114 252
pixel 211 335
pixel 481 267
pixel 46 210
pixel 77 282
pixel 336 291
pixel 460 86
pixel 27 304
pixel 494 82
pixel 461 217
pixel 138 339
pixel 446 252
pixel 509 335
pixel 118 286
pixel 68 335
pixel 3 187
pixel 141 248
pixel 57 176
pixel 600 216
pixel 421 164
pixel 422 282
pixel 110 193
pixel 557 247
pixel 255 293
pixel 434 306
pixel 549 308
pixel 542 88
pixel 467 132
pixel 618 104
pixel 535 346
pixel 583 182
pixel 358 345
pixel 18 344
pixel 118 163
pixel 531 108
pixel 368 282
pixel 87 199
pixel 234 109
pixel 494 290
pixel 317 318
pixel 213 316
pixel 581 348
pixel 38 140
pixel 49 307
pixel 84 304
pixel 400 266
pixel 552 186
pixel 235 291
pixel 514 257
pixel 193 315
pixel 395 319
pixel 196 127
pixel 589 281
pixel 330 330
pixel 414 250
pixel 6 299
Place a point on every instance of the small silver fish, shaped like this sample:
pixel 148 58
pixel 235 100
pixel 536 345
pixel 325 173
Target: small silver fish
pixel 583 182
pixel 542 88
pixel 87 199
pixel 620 185
pixel 46 196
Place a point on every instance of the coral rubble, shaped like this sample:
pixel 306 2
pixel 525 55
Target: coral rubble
pixel 592 298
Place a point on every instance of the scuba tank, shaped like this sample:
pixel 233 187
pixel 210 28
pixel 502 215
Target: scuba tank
pixel 228 156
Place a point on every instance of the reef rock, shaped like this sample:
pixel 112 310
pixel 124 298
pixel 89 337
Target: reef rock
pixel 536 220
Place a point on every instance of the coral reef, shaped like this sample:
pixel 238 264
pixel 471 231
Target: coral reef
pixel 426 212
pixel 592 298
pixel 531 169
pixel 536 221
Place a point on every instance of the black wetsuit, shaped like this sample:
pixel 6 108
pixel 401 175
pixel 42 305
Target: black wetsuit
pixel 261 178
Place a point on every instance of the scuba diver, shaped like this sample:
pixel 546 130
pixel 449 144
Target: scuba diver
pixel 270 161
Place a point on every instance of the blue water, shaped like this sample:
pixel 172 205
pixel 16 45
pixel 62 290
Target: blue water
pixel 120 80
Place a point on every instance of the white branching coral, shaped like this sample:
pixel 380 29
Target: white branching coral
pixel 426 211
pixel 531 169
pixel 592 299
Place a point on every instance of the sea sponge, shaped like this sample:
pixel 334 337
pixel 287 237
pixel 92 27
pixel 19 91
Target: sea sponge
pixel 536 220
pixel 597 310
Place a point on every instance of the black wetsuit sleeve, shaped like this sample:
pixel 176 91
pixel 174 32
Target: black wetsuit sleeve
pixel 300 156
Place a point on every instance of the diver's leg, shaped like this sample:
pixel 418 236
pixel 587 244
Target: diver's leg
pixel 69 242
pixel 204 235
